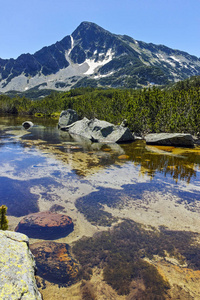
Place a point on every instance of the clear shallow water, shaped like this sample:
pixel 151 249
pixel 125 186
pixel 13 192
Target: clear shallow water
pixel 44 166
pixel 44 169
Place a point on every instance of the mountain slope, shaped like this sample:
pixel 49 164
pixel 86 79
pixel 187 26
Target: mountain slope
pixel 96 57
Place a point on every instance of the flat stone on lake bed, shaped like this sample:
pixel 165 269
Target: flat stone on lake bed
pixel 54 262
pixel 45 225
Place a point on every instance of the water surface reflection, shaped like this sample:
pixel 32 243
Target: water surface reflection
pixel 40 160
pixel 97 185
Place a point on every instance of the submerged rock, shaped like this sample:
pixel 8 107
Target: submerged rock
pixel 17 268
pixel 100 131
pixel 170 139
pixel 56 207
pixel 27 124
pixel 54 262
pixel 45 225
pixel 67 117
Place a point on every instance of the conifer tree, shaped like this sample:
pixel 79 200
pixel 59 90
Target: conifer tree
pixel 3 218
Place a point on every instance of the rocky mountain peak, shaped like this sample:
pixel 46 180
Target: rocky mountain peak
pixel 93 56
pixel 87 27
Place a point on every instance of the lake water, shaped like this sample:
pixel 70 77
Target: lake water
pixel 43 166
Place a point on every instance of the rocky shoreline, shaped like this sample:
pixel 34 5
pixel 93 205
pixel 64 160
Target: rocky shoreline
pixel 104 132
pixel 17 268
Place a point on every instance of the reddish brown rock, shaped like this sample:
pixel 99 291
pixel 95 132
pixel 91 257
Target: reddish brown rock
pixel 45 225
pixel 54 262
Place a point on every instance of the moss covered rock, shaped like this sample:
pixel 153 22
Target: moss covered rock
pixel 17 268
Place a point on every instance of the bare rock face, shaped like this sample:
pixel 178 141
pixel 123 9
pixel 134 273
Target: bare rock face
pixel 67 117
pixel 54 262
pixel 170 139
pixel 17 268
pixel 100 131
pixel 45 225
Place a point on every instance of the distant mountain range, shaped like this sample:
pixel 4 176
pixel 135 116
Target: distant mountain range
pixel 92 56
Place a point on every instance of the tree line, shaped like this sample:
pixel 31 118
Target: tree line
pixel 175 109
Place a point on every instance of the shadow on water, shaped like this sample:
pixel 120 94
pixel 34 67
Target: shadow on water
pixel 92 205
pixel 16 195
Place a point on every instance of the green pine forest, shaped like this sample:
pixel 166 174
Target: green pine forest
pixel 175 108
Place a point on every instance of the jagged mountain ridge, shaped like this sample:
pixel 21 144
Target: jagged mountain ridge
pixel 93 56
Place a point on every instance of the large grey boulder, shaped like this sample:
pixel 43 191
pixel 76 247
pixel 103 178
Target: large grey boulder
pixel 100 131
pixel 17 268
pixel 170 139
pixel 67 117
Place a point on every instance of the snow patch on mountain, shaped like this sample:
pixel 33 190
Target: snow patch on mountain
pixel 72 45
pixel 175 58
pixel 103 75
pixel 92 64
pixel 174 61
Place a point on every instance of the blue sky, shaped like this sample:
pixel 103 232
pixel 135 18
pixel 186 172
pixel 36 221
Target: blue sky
pixel 27 26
